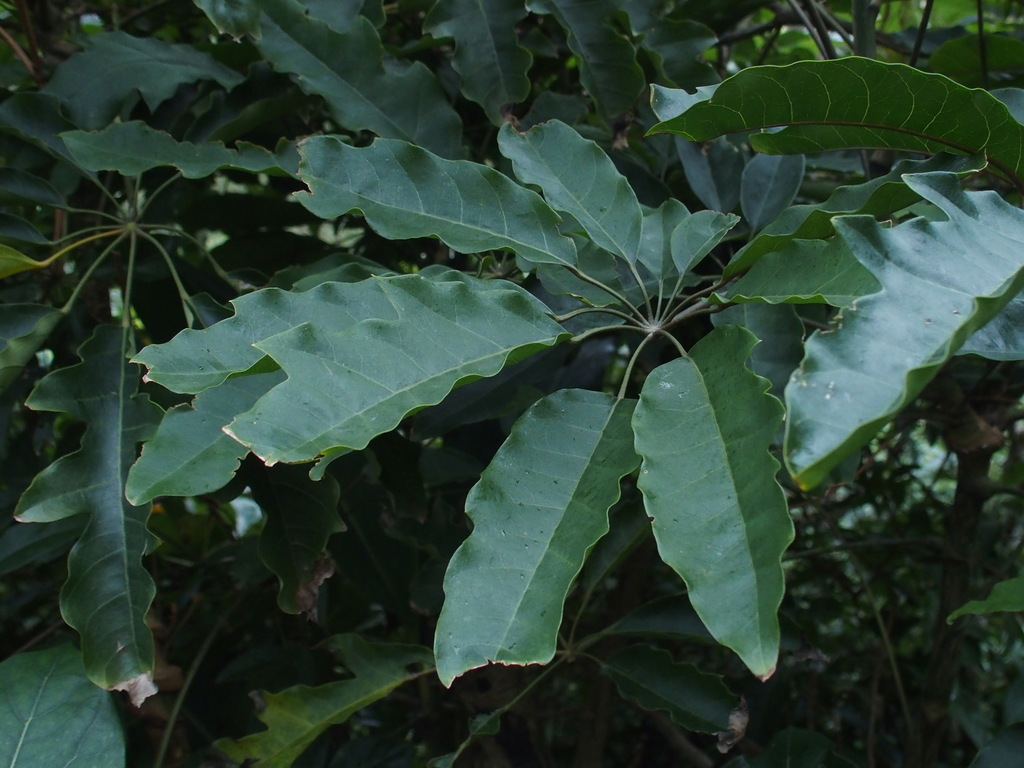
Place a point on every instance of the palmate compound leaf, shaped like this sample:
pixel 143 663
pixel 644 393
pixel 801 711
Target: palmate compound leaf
pixel 51 715
pixel 703 427
pixel 941 281
pixel 579 178
pixel 296 716
pixel 537 510
pixel 404 191
pixel 850 102
pixel 344 388
pixel 108 590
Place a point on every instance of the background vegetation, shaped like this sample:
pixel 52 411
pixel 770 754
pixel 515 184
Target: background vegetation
pixel 411 195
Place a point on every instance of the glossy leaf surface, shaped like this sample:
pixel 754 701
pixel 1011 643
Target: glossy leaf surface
pixel 849 102
pixel 703 427
pixel 941 281
pixel 539 507
pixel 108 590
pixel 405 191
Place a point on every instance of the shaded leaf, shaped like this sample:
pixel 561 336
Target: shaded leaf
pixel 1002 337
pixel 941 281
pixel 23 231
pixel 781 333
pixel 296 716
pixel 400 101
pixel 23 329
pixel 488 56
pixel 703 427
pixel 338 397
pixel 768 186
pixel 36 118
pixel 713 171
pixel 12 262
pixel 960 59
pixel 1005 596
pixel 538 509
pixel 405 192
pixel 51 715
pixel 577 177
pixel 30 188
pixel 100 80
pixel 671 616
pixel 608 68
pixel 849 102
pixel 108 590
pixel 648 676
pixel 190 454
pixel 28 543
pixel 1006 750
pixel 301 516
pixel 134 147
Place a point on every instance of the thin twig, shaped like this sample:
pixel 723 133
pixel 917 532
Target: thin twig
pixel 926 14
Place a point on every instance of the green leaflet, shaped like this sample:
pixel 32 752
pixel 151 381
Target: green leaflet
pixel 804 272
pixel 296 716
pixel 345 388
pixel 579 178
pixel 134 147
pixel 539 507
pixel 190 454
pixel 404 191
pixel 608 68
pixel 879 197
pixel 656 237
pixel 703 428
pixel 23 329
pixel 768 186
pixel 100 80
pixel 51 715
pixel 348 70
pixel 1002 337
pixel 302 514
pixel 693 699
pixel 941 281
pixel 108 590
pixel 849 102
pixel 488 56
pixel 1005 596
